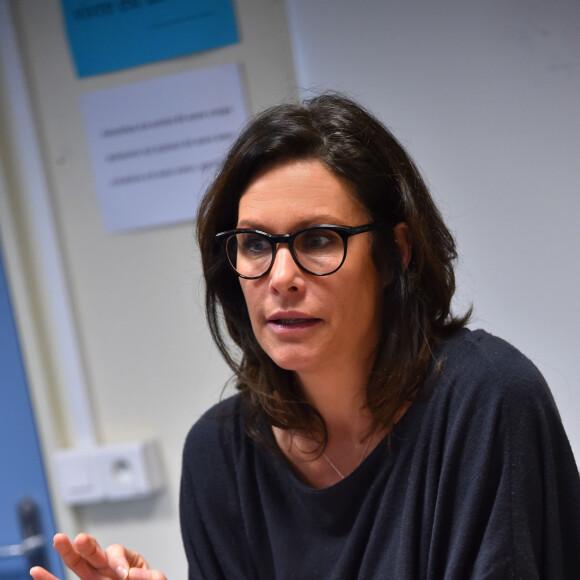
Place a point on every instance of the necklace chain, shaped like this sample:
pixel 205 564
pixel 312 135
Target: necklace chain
pixel 340 474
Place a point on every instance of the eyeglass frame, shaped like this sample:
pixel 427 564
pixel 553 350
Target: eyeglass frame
pixel 344 232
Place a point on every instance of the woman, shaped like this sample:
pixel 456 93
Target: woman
pixel 374 436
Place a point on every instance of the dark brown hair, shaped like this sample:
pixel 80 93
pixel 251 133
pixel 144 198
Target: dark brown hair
pixel 351 143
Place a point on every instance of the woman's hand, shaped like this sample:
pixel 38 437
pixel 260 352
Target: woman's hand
pixel 88 561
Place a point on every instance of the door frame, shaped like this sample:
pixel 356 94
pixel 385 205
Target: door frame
pixel 23 257
pixel 35 363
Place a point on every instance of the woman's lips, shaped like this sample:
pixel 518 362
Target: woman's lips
pixel 292 324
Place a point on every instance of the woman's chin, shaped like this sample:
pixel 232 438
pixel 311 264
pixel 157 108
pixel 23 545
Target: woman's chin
pixel 292 361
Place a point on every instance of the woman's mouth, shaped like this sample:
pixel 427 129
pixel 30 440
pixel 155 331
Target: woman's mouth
pixel 292 324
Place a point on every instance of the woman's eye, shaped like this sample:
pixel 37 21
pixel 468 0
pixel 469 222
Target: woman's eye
pixel 317 240
pixel 254 245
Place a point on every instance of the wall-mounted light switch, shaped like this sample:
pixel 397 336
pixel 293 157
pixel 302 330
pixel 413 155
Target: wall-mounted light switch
pixel 109 472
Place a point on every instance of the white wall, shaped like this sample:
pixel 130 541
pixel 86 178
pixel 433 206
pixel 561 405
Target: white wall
pixel 486 95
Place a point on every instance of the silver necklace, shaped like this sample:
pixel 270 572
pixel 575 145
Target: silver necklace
pixel 359 461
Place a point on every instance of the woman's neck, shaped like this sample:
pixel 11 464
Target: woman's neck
pixel 339 395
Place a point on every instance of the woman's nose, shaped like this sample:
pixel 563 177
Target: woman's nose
pixel 285 273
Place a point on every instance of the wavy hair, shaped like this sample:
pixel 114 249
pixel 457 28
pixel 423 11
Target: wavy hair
pixel 354 145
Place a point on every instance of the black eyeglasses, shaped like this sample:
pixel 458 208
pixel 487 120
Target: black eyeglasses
pixel 318 250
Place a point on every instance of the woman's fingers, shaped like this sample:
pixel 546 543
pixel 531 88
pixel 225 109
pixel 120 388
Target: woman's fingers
pixel 89 561
pixel 143 574
pixel 84 557
pixel 39 573
pixel 138 567
pixel 88 548
pixel 122 560
pixel 71 558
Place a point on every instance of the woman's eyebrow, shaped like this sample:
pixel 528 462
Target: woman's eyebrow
pixel 303 223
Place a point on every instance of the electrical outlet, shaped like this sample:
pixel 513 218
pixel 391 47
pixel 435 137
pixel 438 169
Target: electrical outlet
pixel 109 473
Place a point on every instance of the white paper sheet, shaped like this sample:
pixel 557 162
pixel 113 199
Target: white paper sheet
pixel 155 145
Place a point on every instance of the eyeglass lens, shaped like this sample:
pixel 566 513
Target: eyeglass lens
pixel 317 250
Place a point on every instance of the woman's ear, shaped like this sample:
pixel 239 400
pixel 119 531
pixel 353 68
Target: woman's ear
pixel 403 239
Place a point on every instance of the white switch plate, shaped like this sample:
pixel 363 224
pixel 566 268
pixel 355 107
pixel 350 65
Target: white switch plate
pixel 109 472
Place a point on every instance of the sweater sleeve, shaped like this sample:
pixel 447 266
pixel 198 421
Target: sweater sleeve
pixel 545 487
pixel 511 483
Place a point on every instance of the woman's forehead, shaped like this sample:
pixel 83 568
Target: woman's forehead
pixel 299 191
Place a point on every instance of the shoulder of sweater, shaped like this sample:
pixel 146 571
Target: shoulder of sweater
pixel 478 364
pixel 227 416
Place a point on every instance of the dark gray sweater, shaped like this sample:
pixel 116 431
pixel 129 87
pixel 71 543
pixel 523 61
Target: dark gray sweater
pixel 478 482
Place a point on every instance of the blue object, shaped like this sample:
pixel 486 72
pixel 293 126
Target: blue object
pixel 107 35
pixel 22 476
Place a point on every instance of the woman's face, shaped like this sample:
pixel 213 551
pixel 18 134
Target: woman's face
pixel 307 323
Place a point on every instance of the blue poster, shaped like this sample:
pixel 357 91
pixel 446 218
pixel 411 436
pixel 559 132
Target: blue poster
pixel 108 35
